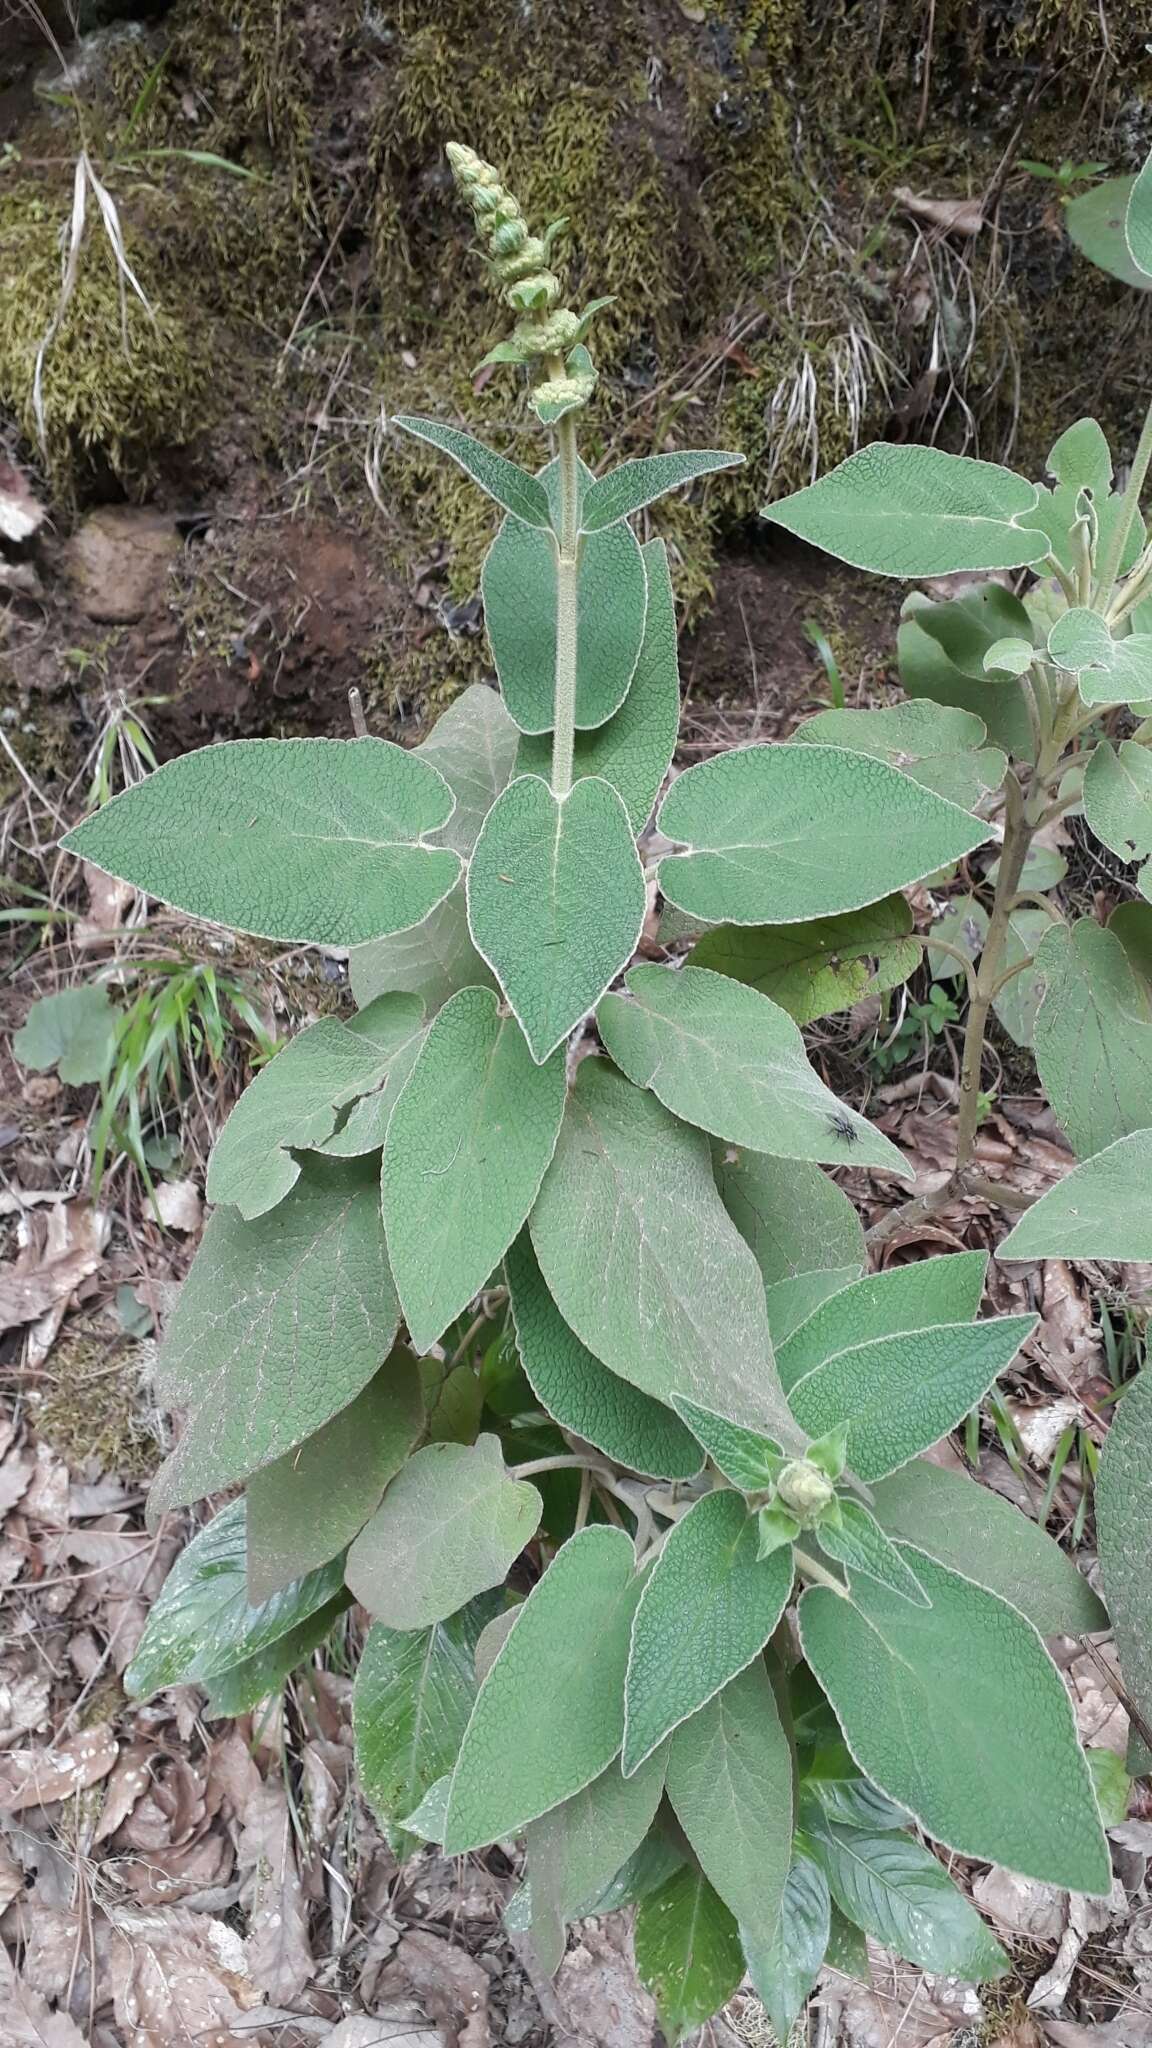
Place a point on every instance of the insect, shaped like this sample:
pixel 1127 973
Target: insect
pixel 841 1126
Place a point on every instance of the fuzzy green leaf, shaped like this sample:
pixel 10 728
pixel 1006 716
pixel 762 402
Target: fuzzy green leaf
pixel 784 1966
pixel 279 1325
pixel 1108 671
pixel 451 1525
pixel 856 1541
pixel 642 1261
pixel 688 1953
pixel 1019 999
pixel 733 1063
pixel 900 1394
pixel 244 1686
pixel 707 1609
pixel 1096 222
pixel 411 1700
pixel 906 510
pixel 511 486
pixel 1093 1036
pixel 74 1031
pixel 814 969
pixel 901 1895
pixel 636 484
pixel 750 1461
pixel 929 1699
pixel 942 649
pixel 935 744
pixel 555 901
pixel 570 1646
pixel 1118 803
pixel 318 842
pixel 974 1531
pixel 805 1235
pixel 519 585
pixel 202 1625
pixel 294 1099
pixel 432 961
pixel 1101 1210
pixel 576 1849
pixel 730 1784
pixel 1138 220
pixel 633 750
pixel 779 834
pixel 1124 1526
pixel 963 924
pixel 473 746
pixel 580 1393
pixel 943 1290
pixel 469 1140
pixel 307 1507
pixel 363 1125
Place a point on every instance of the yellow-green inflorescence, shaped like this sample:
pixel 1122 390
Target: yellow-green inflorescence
pixel 545 332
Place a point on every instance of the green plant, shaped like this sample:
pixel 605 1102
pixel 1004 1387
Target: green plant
pixel 1064 175
pixel 919 1023
pixel 708 1418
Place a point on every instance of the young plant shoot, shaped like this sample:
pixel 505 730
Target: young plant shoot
pixel 528 1313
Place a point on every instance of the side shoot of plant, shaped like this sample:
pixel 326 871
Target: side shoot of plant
pixel 536 1259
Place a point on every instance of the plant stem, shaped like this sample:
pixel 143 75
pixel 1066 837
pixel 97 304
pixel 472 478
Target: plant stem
pixel 1018 832
pixel 1129 506
pixel 567 568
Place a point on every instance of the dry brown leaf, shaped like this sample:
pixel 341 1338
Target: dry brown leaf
pixel 44 1276
pixel 1021 1904
pixel 233 1779
pixel 951 216
pixel 25 2018
pixel 20 509
pixel 38 1777
pixel 179 1980
pixel 108 901
pixel 127 1785
pixel 390 2026
pixel 178 1205
pixel 23 1700
pixel 449 1985
pixel 900 2004
pixel 599 1993
pixel 278 1951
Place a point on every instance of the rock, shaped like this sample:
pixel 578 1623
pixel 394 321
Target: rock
pixel 118 561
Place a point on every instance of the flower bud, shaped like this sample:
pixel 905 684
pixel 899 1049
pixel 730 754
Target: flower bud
pixel 803 1490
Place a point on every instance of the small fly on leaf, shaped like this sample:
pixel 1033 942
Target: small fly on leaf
pixel 840 1126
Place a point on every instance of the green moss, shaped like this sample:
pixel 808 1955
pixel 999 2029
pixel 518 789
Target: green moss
pixel 95 1411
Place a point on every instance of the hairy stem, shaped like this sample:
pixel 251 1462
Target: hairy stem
pixel 567 568
pixel 1018 832
pixel 1129 506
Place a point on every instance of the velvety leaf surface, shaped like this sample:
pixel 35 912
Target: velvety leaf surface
pixel 1101 1210
pixel 1138 220
pixel 1118 803
pixel 635 484
pixel 431 961
pixel 688 1953
pixel 957 1712
pixel 314 841
pixel 900 1394
pixel 555 901
pixel 937 745
pixel 411 1699
pixel 468 1143
pixel 279 1325
pixel 778 834
pixel 473 746
pixel 907 510
pixel 708 1607
pixel 902 1896
pixel 642 1260
pixel 1093 1037
pixel 306 1507
pixel 817 968
pixel 942 1290
pixel 202 1625
pixel 803 1231
pixel 733 1063
pixel 747 1459
pixel 1124 1525
pixel 633 750
pixel 519 586
pixel 1019 999
pixel 576 1849
pixel 970 627
pixel 505 481
pixel 580 1393
pixel 569 1645
pixel 974 1531
pixel 293 1100
pixel 1095 220
pixel 730 1784
pixel 859 1544
pixel 785 1965
pixel 450 1526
